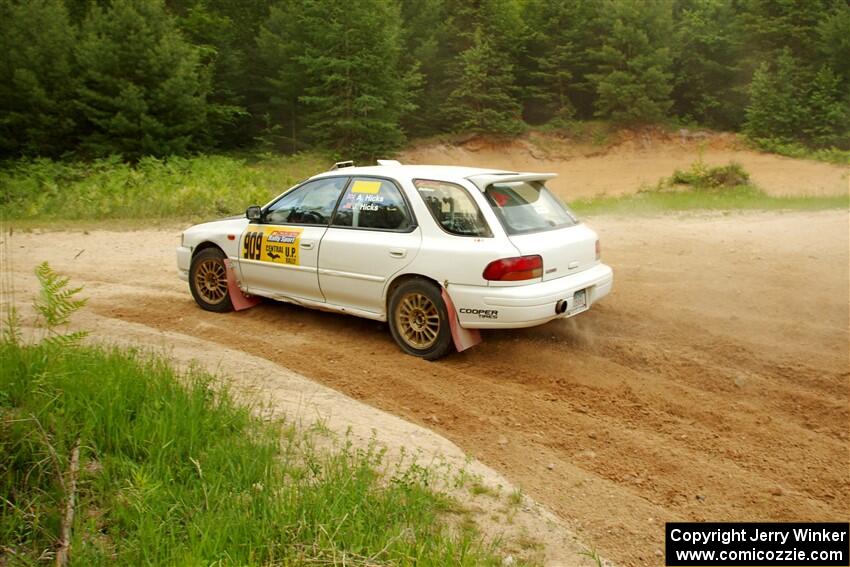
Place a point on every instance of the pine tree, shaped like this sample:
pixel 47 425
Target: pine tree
pixel 559 39
pixel 482 100
pixel 633 80
pixel 143 89
pixel 834 43
pixel 771 26
pixel 480 90
pixel 426 51
pixel 827 117
pixel 777 101
pixel 232 29
pixel 37 78
pixel 708 86
pixel 215 35
pixel 280 44
pixel 342 65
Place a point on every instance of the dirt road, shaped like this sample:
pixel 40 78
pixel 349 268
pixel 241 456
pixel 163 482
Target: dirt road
pixel 712 384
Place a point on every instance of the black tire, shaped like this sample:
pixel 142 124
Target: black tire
pixel 208 281
pixel 414 308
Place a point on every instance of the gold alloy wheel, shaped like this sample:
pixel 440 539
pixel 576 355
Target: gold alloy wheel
pixel 211 281
pixel 417 320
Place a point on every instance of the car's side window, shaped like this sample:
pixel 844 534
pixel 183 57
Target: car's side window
pixel 312 203
pixel 375 204
pixel 453 208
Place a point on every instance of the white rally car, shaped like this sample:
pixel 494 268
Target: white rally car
pixel 433 250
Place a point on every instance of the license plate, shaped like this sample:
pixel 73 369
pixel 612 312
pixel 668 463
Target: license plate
pixel 579 299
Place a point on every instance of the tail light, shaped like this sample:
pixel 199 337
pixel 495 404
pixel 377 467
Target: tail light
pixel 598 250
pixel 514 269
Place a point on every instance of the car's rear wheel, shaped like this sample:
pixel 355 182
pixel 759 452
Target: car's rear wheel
pixel 208 281
pixel 419 320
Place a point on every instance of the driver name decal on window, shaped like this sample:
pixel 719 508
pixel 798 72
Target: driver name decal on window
pixel 272 244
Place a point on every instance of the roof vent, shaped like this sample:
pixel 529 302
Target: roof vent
pixel 388 162
pixel 342 164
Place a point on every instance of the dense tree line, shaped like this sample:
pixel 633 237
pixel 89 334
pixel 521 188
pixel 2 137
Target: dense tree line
pixel 140 77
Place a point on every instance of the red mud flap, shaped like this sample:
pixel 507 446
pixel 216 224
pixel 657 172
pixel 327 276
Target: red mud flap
pixel 239 300
pixel 463 338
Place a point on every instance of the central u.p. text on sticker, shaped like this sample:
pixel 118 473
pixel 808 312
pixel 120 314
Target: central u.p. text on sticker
pixel 276 244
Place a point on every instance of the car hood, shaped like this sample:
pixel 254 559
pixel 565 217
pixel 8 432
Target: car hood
pixel 234 224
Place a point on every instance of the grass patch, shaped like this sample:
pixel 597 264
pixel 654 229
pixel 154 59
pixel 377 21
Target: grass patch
pixel 187 188
pixel 790 149
pixel 173 471
pixel 701 187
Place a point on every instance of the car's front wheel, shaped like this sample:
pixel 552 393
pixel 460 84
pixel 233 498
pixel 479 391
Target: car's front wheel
pixel 419 320
pixel 208 281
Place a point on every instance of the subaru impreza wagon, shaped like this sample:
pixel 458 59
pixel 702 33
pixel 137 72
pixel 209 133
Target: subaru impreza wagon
pixel 432 250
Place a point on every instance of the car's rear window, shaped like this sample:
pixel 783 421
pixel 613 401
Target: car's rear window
pixel 528 206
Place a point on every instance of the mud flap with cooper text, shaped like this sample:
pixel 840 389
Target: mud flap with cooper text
pixel 239 300
pixel 463 338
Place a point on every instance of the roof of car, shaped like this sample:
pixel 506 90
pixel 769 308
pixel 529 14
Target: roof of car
pixel 479 176
pixel 413 171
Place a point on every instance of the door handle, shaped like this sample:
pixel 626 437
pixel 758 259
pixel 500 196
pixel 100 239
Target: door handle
pixel 307 244
pixel 398 252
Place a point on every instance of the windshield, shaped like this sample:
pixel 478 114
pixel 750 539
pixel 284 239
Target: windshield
pixel 528 206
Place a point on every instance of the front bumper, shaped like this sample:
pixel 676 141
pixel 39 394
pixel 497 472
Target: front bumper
pixel 184 259
pixel 481 307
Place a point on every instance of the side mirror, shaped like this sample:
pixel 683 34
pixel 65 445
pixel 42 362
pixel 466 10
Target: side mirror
pixel 254 213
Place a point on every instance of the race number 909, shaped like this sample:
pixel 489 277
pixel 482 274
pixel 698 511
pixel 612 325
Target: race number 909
pixel 252 245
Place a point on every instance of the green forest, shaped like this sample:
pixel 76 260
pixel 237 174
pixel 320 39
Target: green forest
pixel 83 79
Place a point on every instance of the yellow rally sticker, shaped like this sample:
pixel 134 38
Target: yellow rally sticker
pixel 371 187
pixel 278 244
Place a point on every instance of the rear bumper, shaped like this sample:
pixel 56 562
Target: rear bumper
pixel 482 307
pixel 184 259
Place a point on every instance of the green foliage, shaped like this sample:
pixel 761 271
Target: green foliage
pixel 186 188
pixel 549 58
pixel 163 78
pixel 342 65
pixel 827 121
pixel 143 89
pixel 776 100
pixel 708 73
pixel 55 304
pixel 480 92
pixel 37 77
pixel 556 59
pixel 776 25
pixel 482 100
pixel 788 104
pixel 633 79
pixel 799 151
pixel 427 48
pixel 215 34
pixel 174 472
pixel 701 176
pixel 833 41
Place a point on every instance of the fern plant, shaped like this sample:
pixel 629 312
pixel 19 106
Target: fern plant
pixel 55 304
pixel 11 333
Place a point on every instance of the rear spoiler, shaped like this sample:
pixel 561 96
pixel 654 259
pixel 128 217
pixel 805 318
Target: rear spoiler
pixel 482 181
